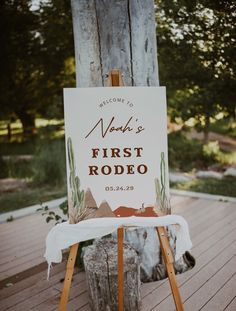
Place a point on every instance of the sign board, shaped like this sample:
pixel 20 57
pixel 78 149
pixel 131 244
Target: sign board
pixel 118 136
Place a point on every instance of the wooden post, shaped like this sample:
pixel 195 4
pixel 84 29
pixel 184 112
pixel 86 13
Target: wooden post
pixel 68 277
pixel 169 260
pixel 120 238
pixel 123 38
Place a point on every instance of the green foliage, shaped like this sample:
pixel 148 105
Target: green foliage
pixel 64 207
pixel 226 186
pixel 226 158
pixel 195 46
pixel 57 54
pixel 20 71
pixel 18 148
pixel 184 154
pixel 10 218
pixel 49 164
pixel 211 150
pixel 52 216
pixel 46 169
pixel 36 59
pixel 19 157
pixel 225 127
pixel 3 168
pixel 197 58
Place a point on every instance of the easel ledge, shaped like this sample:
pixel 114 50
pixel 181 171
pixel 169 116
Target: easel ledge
pixel 115 79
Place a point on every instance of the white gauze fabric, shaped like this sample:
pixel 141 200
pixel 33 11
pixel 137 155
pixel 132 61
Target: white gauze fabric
pixel 64 235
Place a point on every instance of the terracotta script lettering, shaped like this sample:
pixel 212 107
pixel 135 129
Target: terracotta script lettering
pixel 127 127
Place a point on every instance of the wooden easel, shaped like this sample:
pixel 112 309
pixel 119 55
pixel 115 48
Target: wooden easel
pixel 115 79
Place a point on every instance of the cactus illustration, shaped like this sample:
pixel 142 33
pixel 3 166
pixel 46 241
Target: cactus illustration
pixel 161 197
pixel 77 195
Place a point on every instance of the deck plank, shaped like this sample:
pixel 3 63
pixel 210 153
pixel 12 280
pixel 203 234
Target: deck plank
pixel 209 286
pixel 222 297
pixel 78 290
pixel 232 305
pixel 22 244
pixel 208 263
pixel 39 279
pixel 162 293
pixel 27 292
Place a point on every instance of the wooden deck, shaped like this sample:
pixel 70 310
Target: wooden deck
pixel 210 286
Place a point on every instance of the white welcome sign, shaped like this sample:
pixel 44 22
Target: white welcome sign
pixel 119 135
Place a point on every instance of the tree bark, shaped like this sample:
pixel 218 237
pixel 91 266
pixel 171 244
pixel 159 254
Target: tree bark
pixel 115 34
pixel 100 262
pixel 121 34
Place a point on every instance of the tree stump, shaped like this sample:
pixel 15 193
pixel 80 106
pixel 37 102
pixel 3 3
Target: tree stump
pixel 100 261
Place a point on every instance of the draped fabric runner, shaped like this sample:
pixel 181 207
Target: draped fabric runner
pixel 64 235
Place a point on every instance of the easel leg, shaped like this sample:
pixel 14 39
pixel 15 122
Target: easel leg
pixel 168 258
pixel 120 236
pixel 68 277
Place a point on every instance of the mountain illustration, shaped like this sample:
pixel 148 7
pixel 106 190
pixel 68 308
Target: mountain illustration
pixel 104 210
pixel 92 211
pixel 89 200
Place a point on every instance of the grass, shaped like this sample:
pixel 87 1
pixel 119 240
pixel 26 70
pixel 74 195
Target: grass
pixel 226 186
pixel 49 164
pixel 18 148
pixel 13 168
pixel 184 154
pixel 45 171
pixel 16 200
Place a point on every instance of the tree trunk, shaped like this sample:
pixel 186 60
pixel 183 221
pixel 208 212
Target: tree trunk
pixel 115 34
pixel 28 123
pixel 9 131
pixel 121 34
pixel 100 262
pixel 206 129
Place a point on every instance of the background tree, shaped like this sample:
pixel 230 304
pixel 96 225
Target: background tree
pixel 196 41
pixel 196 46
pixel 56 55
pixel 19 69
pixel 36 60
